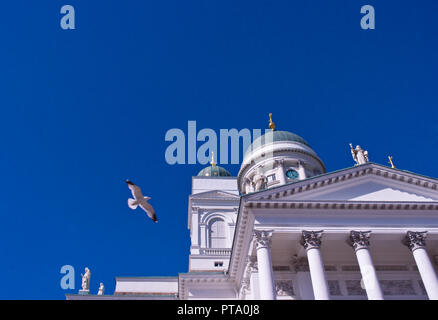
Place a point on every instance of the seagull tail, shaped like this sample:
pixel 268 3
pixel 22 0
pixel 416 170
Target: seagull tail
pixel 132 204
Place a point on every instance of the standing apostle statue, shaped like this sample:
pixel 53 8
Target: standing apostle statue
pixel 360 156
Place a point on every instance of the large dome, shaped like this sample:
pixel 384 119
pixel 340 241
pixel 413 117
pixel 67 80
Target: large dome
pixel 277 158
pixel 214 171
pixel 274 136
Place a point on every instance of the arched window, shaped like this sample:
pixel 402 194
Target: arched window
pixel 217 233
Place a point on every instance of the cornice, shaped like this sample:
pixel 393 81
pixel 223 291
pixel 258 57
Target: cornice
pixel 317 182
pixel 339 205
pixel 185 279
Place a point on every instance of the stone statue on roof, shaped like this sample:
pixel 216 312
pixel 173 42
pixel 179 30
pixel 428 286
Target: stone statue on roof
pixel 259 181
pixel 360 156
pixel 86 280
pixel 101 290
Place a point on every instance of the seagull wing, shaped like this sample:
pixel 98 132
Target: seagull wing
pixel 149 210
pixel 135 190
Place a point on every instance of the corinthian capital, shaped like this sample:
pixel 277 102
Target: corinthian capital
pixel 360 239
pixel 311 239
pixel 415 240
pixel 263 238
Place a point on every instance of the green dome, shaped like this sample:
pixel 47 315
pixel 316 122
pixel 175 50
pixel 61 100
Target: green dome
pixel 214 171
pixel 274 136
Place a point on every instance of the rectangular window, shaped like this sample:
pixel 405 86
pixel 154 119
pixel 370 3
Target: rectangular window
pixel 218 264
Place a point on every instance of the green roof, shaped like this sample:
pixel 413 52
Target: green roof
pixel 274 136
pixel 214 171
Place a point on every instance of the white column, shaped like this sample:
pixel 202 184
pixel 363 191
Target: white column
pixel 281 173
pixel 360 242
pixel 416 241
pixel 248 188
pixel 301 171
pixel 311 241
pixel 264 264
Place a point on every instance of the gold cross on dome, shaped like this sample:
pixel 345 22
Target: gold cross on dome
pixel 390 161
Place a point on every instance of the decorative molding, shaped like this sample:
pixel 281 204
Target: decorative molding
pixel 284 288
pixel 341 205
pixel 311 239
pixel 250 267
pixel 253 267
pixel 202 277
pixel 316 182
pixel 263 238
pixel 397 287
pixel 213 195
pixel 215 251
pixel 354 288
pixel 241 233
pixel 415 240
pixel 360 239
pixel 334 288
pixel 245 288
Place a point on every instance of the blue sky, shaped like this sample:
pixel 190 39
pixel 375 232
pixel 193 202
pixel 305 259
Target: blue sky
pixel 82 110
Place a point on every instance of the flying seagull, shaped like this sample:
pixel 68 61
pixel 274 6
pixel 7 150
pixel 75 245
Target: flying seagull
pixel 140 200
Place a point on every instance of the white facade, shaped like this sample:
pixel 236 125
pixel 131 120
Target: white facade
pixel 212 216
pixel 365 232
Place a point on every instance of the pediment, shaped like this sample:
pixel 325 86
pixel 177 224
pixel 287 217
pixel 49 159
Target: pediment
pixel 366 183
pixel 214 194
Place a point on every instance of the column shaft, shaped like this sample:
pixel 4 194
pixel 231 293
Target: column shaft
pixel 416 241
pixel 427 272
pixel 317 274
pixel 281 173
pixel 369 275
pixel 311 241
pixel 360 242
pixel 301 172
pixel 266 274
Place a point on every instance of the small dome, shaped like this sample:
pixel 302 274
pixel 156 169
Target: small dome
pixel 214 171
pixel 274 136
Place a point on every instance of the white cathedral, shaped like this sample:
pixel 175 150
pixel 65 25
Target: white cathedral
pixel 284 228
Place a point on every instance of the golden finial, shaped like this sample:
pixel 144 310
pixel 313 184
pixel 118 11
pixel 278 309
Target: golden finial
pixel 212 159
pixel 390 161
pixel 271 123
